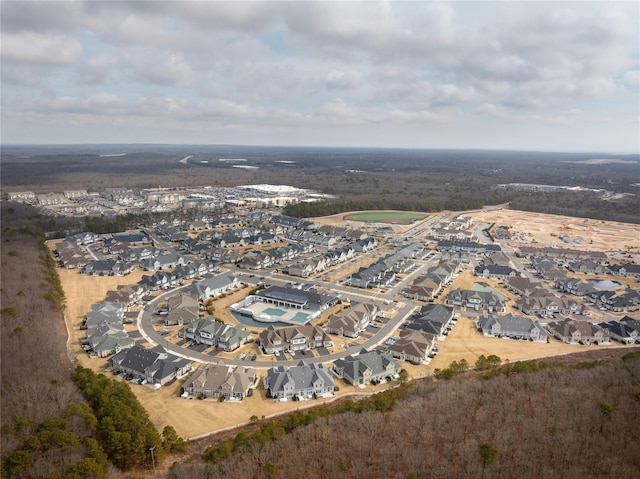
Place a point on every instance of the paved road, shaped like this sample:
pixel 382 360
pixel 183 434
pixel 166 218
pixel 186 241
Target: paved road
pixel 145 326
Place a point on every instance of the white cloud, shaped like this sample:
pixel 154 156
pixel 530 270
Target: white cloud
pixel 40 49
pixel 279 66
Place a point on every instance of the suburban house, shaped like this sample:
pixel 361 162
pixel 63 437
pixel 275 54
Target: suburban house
pixel 547 305
pixel 578 332
pixel 575 286
pixel 548 269
pixel 155 366
pixel 182 308
pixel 221 380
pixel 495 271
pixel 127 294
pixel 366 367
pixel 587 267
pixel 424 288
pixel 70 255
pixel 619 302
pixel 213 286
pixel 627 330
pixel 163 261
pixel 83 238
pixel 413 346
pixel 352 320
pixel 628 269
pixel 294 338
pixel 479 298
pixel 433 319
pixel 209 331
pixel 107 267
pixel 304 381
pixel 107 312
pixel 511 326
pixel 524 286
pixel 107 339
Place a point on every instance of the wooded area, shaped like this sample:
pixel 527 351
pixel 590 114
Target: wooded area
pixel 530 420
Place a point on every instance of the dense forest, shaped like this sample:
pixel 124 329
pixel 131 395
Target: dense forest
pixel 528 419
pixel 57 422
pixel 358 178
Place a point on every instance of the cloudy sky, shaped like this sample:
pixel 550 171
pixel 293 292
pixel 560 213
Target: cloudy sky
pixel 506 75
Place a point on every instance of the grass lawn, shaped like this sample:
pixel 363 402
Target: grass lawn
pixel 392 217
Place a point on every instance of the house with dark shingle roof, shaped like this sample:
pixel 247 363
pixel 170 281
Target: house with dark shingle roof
pixel 304 381
pixel 434 319
pixel 578 332
pixel 366 367
pixel 412 346
pixel 221 380
pixel 155 366
pixel 511 326
pixel 627 330
pixel 350 322
pixel 209 331
pixel 478 298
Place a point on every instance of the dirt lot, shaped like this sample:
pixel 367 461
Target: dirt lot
pixel 583 233
pixel 193 418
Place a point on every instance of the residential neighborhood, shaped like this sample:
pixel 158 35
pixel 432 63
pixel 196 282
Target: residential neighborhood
pixel 315 306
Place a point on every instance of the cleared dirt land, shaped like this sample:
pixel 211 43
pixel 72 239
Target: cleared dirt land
pixel 193 418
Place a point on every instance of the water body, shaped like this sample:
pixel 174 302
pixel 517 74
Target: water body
pixel 252 323
pixel 605 284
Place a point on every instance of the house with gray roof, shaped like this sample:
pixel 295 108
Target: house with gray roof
pixel 548 305
pixel 212 286
pixel 155 366
pixel 435 319
pixel 413 346
pixel 108 339
pixel 182 308
pixel 627 269
pixel 511 326
pixel 478 298
pixel 163 261
pixel 366 367
pixel 106 312
pixel 221 380
pixel 626 331
pixel 350 322
pixel 209 331
pixel 304 381
pixel 107 267
pixel 293 338
pixel 495 271
pixel 578 332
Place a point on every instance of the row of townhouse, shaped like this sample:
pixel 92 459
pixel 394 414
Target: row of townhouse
pixel 479 298
pixel 530 252
pixel 331 258
pixel 618 302
pixel 214 333
pixel 548 268
pixel 275 255
pixel 568 331
pixel 182 272
pixel 294 338
pixel 354 319
pixel 218 379
pixel 366 367
pixel 435 319
pixel 150 366
pixel 495 271
pixel 429 286
pixel 594 267
pixel 108 267
pixel 382 272
pixel 411 345
pixel 627 330
pixel 470 247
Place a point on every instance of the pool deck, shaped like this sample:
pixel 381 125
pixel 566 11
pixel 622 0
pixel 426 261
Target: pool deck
pixel 267 313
